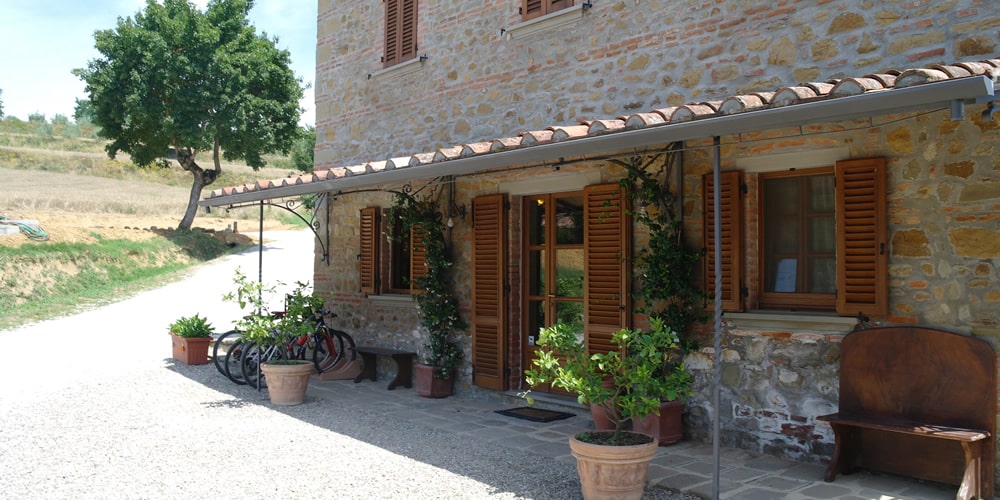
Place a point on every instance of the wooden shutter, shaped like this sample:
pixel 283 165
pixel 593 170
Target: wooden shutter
pixel 489 312
pixel 400 31
pixel 535 8
pixel 369 258
pixel 607 270
pixel 732 238
pixel 418 257
pixel 862 249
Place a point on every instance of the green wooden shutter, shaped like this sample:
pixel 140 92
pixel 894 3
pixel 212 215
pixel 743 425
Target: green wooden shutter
pixel 732 238
pixel 607 269
pixel 489 311
pixel 369 255
pixel 862 247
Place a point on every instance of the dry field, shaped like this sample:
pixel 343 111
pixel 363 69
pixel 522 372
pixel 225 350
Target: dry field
pixel 74 208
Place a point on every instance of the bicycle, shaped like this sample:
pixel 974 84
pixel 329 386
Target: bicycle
pixel 330 346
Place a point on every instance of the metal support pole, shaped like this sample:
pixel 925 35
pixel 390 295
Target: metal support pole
pixel 716 457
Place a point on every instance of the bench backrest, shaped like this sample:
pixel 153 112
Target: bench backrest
pixel 919 374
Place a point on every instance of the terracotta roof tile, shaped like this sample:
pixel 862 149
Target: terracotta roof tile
pixel 783 96
pixel 532 137
pixel 505 143
pixel 598 127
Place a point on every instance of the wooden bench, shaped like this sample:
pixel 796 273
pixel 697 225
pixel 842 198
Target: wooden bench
pixel 917 402
pixel 403 360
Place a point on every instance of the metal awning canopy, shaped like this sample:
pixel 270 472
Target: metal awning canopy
pixel 953 94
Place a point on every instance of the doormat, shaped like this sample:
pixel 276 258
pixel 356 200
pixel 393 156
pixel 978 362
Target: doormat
pixel 535 414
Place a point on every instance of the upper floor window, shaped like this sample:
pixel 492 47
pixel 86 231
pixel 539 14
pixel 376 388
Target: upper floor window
pixel 816 239
pixel 531 9
pixel 400 31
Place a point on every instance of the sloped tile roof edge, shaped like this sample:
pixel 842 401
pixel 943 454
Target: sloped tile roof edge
pixel 754 101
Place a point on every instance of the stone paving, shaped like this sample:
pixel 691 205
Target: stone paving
pixel 684 467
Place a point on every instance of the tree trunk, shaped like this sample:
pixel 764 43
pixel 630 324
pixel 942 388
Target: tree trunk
pixel 201 178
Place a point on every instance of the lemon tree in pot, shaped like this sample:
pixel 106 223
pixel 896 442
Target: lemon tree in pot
pixel 267 337
pixel 611 464
pixel 190 337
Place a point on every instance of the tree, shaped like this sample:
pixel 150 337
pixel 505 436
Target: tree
pixel 1 103
pixel 303 150
pixel 83 112
pixel 174 77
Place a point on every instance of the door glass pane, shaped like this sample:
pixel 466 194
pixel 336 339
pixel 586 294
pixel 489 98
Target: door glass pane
pixel 569 272
pixel 536 320
pixel 569 220
pixel 536 221
pixel 571 313
pixel 536 272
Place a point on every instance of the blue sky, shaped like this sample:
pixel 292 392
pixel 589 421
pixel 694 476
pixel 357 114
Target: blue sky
pixel 42 41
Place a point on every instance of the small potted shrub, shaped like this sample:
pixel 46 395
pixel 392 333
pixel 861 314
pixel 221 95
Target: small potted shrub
pixel 624 384
pixel 287 379
pixel 190 337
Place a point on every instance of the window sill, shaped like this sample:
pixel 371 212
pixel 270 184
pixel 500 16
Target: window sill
pixel 401 69
pixel 393 300
pixel 553 21
pixel 791 322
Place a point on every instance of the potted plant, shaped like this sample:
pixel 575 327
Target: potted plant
pixel 435 374
pixel 190 337
pixel 614 463
pixel 658 351
pixel 272 332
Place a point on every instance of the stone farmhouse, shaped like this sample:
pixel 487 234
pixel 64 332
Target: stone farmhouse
pixel 857 141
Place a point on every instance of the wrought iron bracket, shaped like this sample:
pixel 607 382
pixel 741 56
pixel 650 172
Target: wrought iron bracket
pixel 292 206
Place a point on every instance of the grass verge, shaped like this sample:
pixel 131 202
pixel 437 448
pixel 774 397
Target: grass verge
pixel 46 281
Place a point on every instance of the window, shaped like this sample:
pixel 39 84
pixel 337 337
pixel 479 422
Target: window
pixel 820 241
pixel 400 31
pixel 797 239
pixel 388 265
pixel 531 9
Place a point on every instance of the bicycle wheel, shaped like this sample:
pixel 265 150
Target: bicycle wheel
pixel 233 360
pixel 221 348
pixel 250 364
pixel 328 351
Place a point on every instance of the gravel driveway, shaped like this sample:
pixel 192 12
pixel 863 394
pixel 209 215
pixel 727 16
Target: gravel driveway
pixel 92 406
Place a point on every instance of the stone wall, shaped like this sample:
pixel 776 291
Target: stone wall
pixel 484 79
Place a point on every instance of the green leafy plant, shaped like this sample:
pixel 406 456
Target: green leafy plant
pixel 626 383
pixel 436 300
pixel 192 327
pixel 265 327
pixel 666 265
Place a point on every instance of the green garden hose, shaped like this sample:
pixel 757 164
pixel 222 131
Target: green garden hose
pixel 32 233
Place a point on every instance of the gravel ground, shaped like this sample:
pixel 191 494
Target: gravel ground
pixel 109 415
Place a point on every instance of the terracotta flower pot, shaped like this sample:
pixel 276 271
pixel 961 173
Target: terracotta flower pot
pixel 666 427
pixel 612 472
pixel 426 384
pixel 287 381
pixel 190 350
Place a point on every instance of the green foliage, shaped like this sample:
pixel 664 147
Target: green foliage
pixel 436 299
pixel 50 279
pixel 176 77
pixel 1 103
pixel 267 327
pixel 303 150
pixel 627 383
pixel 666 266
pixel 191 327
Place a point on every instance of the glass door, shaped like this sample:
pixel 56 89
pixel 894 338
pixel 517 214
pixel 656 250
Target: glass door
pixel 554 264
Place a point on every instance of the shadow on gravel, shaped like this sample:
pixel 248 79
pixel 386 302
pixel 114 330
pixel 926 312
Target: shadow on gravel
pixel 384 424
